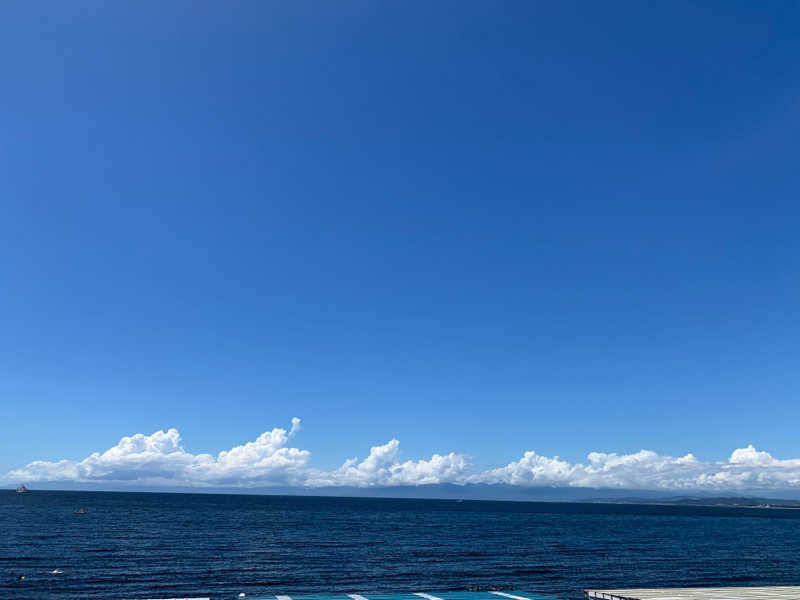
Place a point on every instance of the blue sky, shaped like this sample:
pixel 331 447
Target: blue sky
pixel 476 228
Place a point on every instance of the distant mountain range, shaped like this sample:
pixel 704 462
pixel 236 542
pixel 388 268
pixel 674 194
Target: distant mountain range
pixel 542 494
pixel 448 491
pixel 740 501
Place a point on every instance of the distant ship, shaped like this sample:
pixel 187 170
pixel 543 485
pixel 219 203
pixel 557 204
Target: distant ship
pixel 23 490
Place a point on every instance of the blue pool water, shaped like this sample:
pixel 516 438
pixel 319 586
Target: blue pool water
pixel 429 595
pixel 166 545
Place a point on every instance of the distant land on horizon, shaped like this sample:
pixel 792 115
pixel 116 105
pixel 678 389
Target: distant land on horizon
pixel 481 492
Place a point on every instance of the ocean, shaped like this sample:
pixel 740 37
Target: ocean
pixel 142 545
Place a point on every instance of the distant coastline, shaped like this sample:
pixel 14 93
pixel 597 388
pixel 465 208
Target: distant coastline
pixel 481 493
pixel 723 501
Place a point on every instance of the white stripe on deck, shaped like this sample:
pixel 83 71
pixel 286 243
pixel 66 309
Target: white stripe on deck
pixel 426 596
pixel 510 596
pixel 356 596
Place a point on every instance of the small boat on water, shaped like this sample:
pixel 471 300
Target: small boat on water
pixel 80 511
pixel 23 490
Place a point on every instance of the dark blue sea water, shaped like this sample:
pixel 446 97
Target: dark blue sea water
pixel 162 545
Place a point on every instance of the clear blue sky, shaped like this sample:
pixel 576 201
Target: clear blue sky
pixel 475 227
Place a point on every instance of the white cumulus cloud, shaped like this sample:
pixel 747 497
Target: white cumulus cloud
pixel 382 468
pixel 642 470
pixel 161 458
pixel 747 468
pixel 270 460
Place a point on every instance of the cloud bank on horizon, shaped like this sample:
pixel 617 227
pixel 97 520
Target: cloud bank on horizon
pixel 161 459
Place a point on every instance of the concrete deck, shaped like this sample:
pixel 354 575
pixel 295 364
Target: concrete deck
pixel 698 593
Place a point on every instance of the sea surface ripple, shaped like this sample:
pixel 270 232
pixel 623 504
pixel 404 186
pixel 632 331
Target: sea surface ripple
pixel 142 545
